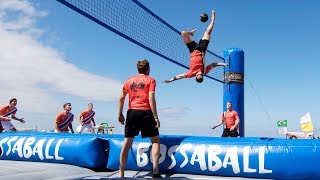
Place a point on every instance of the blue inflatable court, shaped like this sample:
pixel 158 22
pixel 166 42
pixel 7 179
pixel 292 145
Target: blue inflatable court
pixel 233 157
pixel 264 158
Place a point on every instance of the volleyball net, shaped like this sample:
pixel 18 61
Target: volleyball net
pixel 136 23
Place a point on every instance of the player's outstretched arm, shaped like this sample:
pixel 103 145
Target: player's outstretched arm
pixel 219 124
pixel 177 77
pixel 212 65
pixel 18 119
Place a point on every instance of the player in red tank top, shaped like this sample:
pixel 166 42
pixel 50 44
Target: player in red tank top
pixel 197 54
pixel 141 115
pixel 230 119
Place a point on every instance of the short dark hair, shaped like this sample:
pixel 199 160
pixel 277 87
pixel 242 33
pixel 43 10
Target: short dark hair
pixel 66 104
pixel 143 66
pixel 13 99
pixel 199 80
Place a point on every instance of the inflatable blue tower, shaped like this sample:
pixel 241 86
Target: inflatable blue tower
pixel 233 89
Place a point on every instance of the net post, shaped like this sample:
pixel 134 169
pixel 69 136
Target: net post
pixel 233 88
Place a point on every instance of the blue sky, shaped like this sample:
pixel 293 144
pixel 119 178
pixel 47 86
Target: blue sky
pixel 50 55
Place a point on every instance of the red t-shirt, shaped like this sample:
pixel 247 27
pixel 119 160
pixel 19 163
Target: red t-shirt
pixel 63 121
pixel 196 65
pixel 138 88
pixel 87 116
pixel 230 118
pixel 7 112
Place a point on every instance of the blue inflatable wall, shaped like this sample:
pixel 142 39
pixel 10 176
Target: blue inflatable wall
pixel 80 150
pixel 235 157
pixel 233 89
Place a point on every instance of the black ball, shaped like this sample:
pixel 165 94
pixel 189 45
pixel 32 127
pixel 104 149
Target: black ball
pixel 204 17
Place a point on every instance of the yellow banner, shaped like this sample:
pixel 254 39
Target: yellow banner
pixel 307 126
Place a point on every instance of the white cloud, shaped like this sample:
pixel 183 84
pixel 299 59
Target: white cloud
pixel 34 73
pixel 18 15
pixel 18 5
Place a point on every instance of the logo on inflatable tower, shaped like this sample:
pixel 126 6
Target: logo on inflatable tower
pixel 234 77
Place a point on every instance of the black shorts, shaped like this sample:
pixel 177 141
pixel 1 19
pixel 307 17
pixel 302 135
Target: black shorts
pixel 140 120
pixel 227 133
pixel 201 46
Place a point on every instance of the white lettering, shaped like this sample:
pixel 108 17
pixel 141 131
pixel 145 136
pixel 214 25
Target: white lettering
pixel 38 149
pixel 199 156
pixel 261 161
pixel 56 150
pixel 9 144
pixel 23 147
pixel 1 142
pixel 199 152
pixel 213 151
pixel 142 157
pixel 246 151
pixel 18 147
pixel 27 150
pixel 183 149
pixel 47 156
pixel 170 154
pixel 163 152
pixel 232 154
